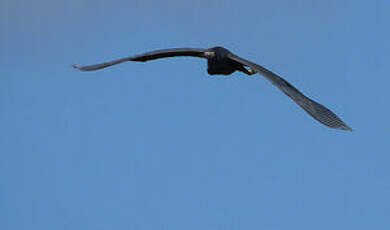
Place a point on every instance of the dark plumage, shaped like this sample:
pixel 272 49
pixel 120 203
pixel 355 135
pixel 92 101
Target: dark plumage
pixel 222 61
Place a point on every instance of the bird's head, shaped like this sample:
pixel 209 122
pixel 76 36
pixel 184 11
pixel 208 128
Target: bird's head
pixel 219 52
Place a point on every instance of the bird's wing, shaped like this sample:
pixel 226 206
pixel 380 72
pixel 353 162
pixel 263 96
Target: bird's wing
pixel 316 110
pixel 194 52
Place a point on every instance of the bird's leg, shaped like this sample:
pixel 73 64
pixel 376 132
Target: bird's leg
pixel 248 71
pixel 251 71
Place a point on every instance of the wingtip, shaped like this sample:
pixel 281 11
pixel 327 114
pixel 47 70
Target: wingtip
pixel 346 128
pixel 75 66
pixel 79 67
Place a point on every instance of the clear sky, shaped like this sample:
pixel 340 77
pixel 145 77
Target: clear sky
pixel 163 145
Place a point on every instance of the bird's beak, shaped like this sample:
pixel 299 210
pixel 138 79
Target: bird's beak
pixel 209 54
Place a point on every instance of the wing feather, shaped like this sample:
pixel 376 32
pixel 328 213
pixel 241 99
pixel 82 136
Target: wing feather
pixel 164 53
pixel 316 110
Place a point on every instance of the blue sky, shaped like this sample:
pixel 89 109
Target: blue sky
pixel 163 145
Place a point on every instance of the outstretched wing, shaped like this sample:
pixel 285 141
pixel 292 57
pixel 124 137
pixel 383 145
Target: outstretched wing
pixel 194 52
pixel 316 110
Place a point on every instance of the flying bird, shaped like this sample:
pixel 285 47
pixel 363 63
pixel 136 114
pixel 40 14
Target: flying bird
pixel 223 62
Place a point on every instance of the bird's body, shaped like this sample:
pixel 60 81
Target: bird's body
pixel 220 61
pixel 221 64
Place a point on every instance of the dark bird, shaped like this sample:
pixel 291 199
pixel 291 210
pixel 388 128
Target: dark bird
pixel 222 61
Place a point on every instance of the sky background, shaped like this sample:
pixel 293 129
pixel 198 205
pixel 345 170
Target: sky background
pixel 164 145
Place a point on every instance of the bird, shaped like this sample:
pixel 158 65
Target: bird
pixel 221 61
